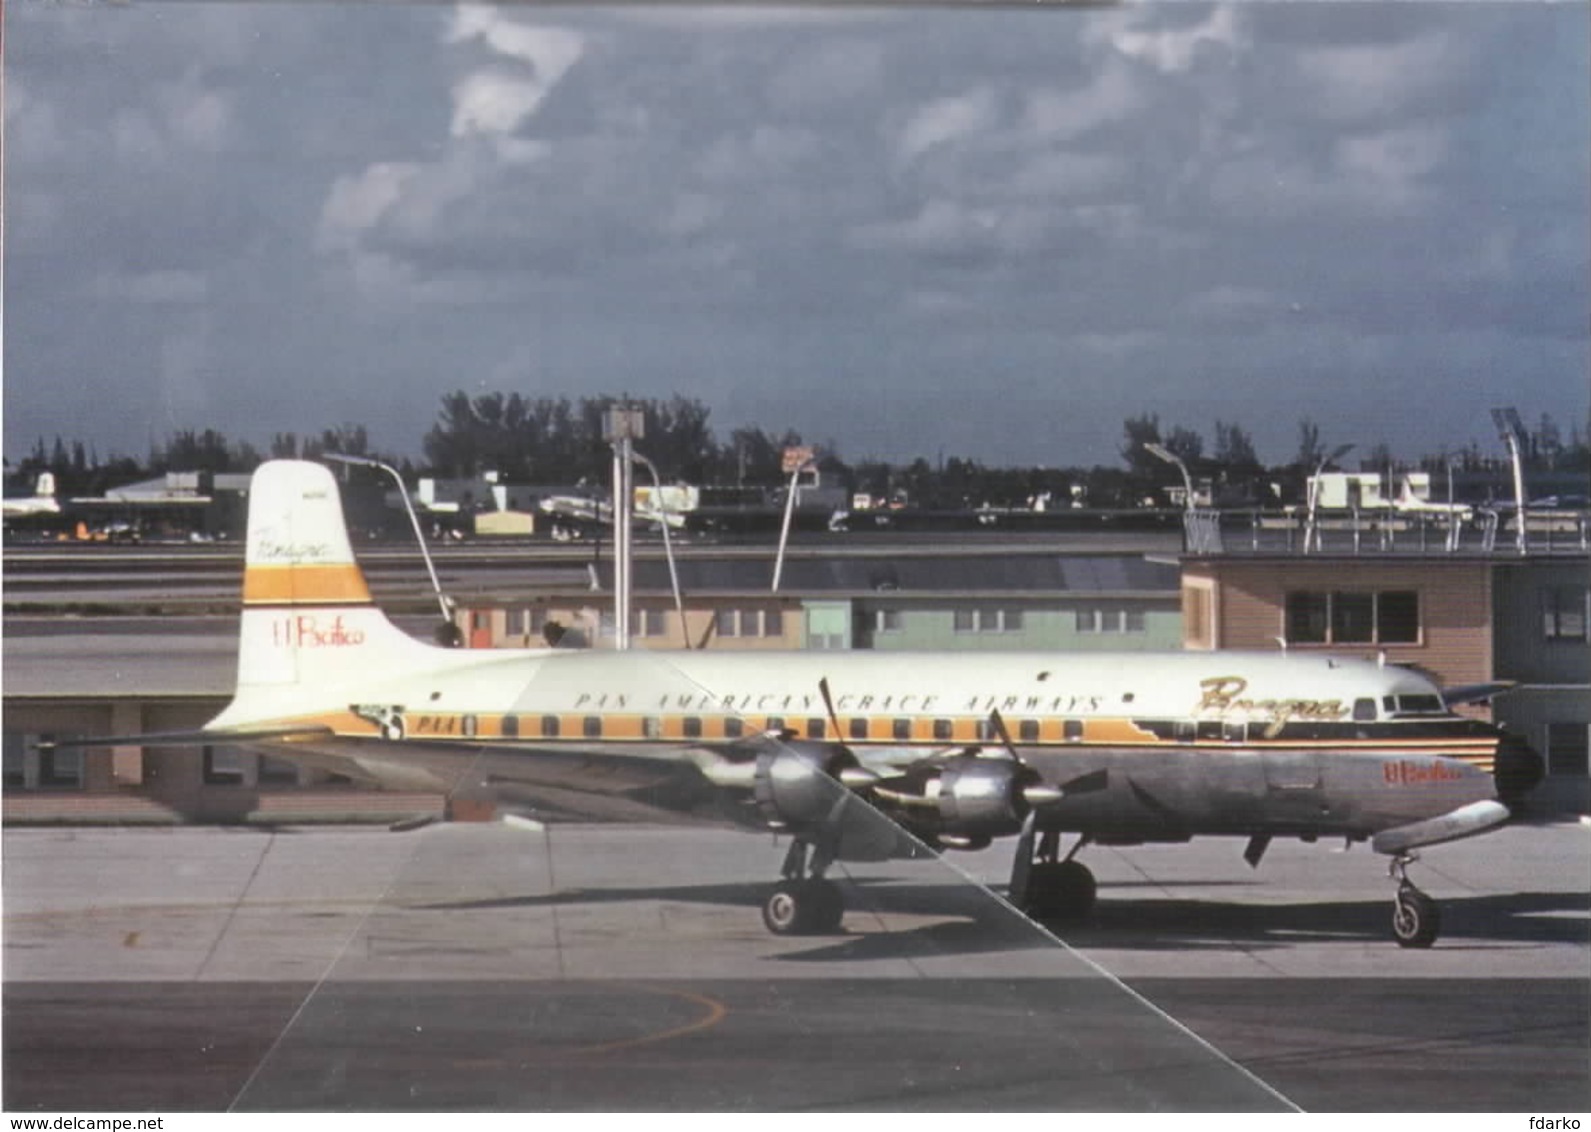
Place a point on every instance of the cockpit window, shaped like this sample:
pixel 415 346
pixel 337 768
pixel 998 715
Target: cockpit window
pixel 1422 703
pixel 1364 709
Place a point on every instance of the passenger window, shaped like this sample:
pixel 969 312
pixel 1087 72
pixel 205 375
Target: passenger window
pixel 815 728
pixel 1028 731
pixel 942 729
pixel 1072 729
pixel 510 727
pixel 591 727
pixel 734 727
pixel 693 727
pixel 858 728
pixel 652 727
pixel 549 726
pixel 902 728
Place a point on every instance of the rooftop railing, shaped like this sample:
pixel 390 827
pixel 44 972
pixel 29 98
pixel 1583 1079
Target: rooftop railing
pixel 1484 532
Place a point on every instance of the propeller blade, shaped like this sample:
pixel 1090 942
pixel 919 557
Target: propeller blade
pixel 998 725
pixel 828 703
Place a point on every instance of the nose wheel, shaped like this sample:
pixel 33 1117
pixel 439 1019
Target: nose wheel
pixel 1416 918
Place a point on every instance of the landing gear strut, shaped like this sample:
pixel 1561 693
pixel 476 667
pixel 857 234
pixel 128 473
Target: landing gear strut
pixel 1416 918
pixel 1046 886
pixel 804 902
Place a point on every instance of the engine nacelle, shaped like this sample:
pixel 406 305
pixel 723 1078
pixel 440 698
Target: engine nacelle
pixel 980 798
pixel 797 783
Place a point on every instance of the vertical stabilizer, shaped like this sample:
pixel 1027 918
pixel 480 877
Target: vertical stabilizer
pixel 309 623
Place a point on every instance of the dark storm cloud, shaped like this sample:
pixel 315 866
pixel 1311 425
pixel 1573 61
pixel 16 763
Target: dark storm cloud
pixel 988 233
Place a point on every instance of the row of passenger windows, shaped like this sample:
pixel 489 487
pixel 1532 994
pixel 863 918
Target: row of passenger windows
pixel 735 727
pixel 762 622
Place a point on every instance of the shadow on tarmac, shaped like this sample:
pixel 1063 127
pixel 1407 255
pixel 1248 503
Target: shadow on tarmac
pixel 989 924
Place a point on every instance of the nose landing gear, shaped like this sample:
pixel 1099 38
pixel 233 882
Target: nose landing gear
pixel 1416 918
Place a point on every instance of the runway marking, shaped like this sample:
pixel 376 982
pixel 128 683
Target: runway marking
pixel 716 1013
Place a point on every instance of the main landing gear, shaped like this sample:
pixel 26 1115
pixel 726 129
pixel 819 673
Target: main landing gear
pixel 804 902
pixel 1416 918
pixel 1046 886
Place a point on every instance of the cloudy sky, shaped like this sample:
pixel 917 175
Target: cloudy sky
pixel 985 233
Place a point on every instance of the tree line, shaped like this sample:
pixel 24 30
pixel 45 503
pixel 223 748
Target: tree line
pixel 560 441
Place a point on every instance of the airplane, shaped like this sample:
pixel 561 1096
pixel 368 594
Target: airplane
pixel 41 502
pixel 573 515
pixel 859 756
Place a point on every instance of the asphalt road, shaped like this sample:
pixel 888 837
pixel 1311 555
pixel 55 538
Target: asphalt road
pixel 594 968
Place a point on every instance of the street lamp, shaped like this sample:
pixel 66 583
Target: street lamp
pixel 414 521
pixel 1161 452
pixel 1311 532
pixel 1512 430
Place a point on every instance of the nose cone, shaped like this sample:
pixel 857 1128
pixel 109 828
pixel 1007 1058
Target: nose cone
pixel 1518 771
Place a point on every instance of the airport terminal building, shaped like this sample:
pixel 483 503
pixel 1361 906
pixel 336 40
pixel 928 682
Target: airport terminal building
pixel 1466 618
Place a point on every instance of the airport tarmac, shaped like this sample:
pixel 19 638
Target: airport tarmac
pixel 483 967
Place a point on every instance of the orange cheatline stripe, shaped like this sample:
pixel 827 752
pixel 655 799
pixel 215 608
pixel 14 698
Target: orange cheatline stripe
pixel 340 581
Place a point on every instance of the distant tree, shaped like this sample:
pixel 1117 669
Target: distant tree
pixel 1310 449
pixel 1137 432
pixel 1234 450
pixel 1187 443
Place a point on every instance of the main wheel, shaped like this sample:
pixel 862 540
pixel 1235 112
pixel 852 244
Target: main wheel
pixel 1416 918
pixel 1061 891
pixel 802 907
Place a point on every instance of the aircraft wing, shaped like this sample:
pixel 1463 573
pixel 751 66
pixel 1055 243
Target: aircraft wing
pixel 1475 693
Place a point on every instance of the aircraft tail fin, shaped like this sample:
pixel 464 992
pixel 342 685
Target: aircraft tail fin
pixel 309 624
pixel 44 487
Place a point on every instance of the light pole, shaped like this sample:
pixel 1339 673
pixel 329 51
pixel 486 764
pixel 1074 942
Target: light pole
pixel 668 547
pixel 1511 429
pixel 414 521
pixel 621 425
pixel 1311 532
pixel 1161 452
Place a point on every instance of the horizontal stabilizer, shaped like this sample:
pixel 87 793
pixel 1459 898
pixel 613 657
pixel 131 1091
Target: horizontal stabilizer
pixel 189 738
pixel 1466 821
pixel 1474 693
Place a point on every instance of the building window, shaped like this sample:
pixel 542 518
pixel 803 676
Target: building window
pixel 480 621
pixel 654 622
pixel 277 772
pixel 1109 619
pixel 514 622
pixel 886 620
pixel 1386 617
pixel 1566 749
pixel 987 621
pixel 1563 612
pixel 750 622
pixel 16 760
pixel 223 766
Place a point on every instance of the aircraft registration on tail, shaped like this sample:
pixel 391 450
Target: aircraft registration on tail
pixel 859 756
